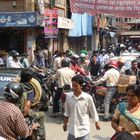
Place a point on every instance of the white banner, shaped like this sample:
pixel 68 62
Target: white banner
pixel 65 23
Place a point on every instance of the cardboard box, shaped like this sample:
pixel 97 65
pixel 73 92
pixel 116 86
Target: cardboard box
pixel 127 80
pixel 122 88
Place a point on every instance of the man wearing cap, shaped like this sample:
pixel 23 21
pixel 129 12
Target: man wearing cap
pixel 121 64
pixel 83 61
pixel 123 49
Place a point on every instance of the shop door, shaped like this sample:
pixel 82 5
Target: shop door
pixel 12 40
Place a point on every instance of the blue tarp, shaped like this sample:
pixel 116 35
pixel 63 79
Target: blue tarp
pixel 82 25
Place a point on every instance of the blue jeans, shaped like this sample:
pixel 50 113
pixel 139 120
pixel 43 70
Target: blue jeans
pixel 108 99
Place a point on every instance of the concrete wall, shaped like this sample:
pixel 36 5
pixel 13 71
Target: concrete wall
pixel 30 5
pixel 7 6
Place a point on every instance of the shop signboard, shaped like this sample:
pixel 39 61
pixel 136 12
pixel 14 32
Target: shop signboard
pixel 24 19
pixel 65 23
pixel 120 8
pixel 51 19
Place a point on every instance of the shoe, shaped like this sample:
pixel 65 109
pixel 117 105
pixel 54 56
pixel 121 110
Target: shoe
pixel 106 119
pixel 41 138
pixel 53 115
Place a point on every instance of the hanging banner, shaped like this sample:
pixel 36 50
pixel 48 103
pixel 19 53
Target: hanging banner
pixel 120 8
pixel 51 18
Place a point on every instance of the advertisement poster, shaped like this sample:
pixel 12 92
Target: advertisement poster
pixel 119 8
pixel 51 19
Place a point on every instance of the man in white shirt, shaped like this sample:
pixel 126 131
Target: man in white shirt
pixel 77 109
pixel 14 61
pixel 57 61
pixel 111 77
pixel 63 77
pixel 104 58
pixel 123 49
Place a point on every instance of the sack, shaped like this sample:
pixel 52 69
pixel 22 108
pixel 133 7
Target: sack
pixel 122 88
pixel 127 80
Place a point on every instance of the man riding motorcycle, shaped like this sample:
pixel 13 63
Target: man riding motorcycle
pixel 84 62
pixel 12 122
pixel 26 103
pixel 111 78
pixel 75 66
pixel 63 76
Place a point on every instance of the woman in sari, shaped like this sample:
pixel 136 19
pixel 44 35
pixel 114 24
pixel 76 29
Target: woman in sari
pixel 127 114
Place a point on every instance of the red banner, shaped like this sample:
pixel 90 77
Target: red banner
pixel 120 8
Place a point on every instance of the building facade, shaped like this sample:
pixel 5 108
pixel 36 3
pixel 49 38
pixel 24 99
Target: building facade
pixel 18 35
pixel 17 25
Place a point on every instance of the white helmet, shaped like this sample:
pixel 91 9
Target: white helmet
pixel 122 46
pixel 82 55
pixel 75 56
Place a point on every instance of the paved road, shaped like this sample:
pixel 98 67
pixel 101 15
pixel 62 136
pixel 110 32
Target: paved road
pixel 55 132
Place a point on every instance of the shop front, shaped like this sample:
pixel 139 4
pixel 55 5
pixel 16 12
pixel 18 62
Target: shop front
pixel 12 39
pixel 14 28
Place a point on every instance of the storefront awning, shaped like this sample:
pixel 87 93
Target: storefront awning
pixel 131 33
pixel 137 37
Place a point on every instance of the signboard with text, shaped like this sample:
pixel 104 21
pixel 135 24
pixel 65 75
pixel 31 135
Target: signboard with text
pixel 25 19
pixel 120 8
pixel 51 18
pixel 65 23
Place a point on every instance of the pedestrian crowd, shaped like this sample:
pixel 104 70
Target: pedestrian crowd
pixel 70 70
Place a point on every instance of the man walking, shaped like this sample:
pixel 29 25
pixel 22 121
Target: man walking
pixel 78 107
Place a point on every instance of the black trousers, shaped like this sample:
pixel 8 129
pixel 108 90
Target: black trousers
pixel 57 96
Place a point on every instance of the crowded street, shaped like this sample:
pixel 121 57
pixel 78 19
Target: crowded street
pixel 55 131
pixel 70 70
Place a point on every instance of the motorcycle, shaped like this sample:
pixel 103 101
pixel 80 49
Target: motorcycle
pixel 66 90
pixel 98 94
pixel 29 121
pixel 43 79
